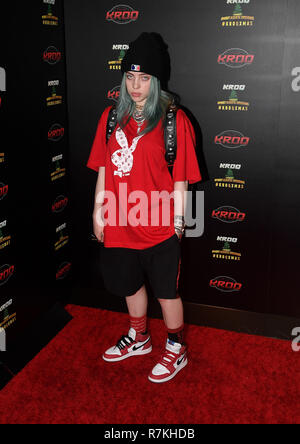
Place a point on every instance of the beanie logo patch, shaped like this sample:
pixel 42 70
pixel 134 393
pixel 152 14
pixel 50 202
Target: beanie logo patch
pixel 135 68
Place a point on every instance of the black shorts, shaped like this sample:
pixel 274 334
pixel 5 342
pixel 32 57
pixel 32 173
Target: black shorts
pixel 124 269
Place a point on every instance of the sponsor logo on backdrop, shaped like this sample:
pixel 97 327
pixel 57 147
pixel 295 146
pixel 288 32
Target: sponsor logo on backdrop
pixel 6 319
pixel 232 139
pixel 296 80
pixel 6 272
pixel 54 99
pixel 228 215
pixel 59 204
pixel 5 240
pixel 235 58
pixel 116 63
pixel 63 270
pixel 52 55
pixel 2 82
pixel 3 191
pixel 49 18
pixel 114 93
pixel 59 172
pixel 230 181
pixel 225 283
pixel 122 15
pixel 226 253
pixel 237 19
pixel 233 103
pixel 63 238
pixel 56 132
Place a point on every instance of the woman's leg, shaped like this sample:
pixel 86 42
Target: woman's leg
pixel 138 303
pixel 137 308
pixel 174 358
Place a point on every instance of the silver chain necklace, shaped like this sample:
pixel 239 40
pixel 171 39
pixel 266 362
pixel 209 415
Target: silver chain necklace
pixel 138 116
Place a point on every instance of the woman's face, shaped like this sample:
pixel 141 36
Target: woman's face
pixel 138 86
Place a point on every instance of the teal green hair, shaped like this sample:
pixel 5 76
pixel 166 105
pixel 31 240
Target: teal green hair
pixel 155 108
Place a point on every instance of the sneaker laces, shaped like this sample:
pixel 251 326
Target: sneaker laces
pixel 167 358
pixel 124 342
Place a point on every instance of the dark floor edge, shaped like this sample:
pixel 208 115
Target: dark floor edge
pixel 241 321
pixel 31 343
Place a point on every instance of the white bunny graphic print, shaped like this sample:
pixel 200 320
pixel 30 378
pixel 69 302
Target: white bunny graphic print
pixel 123 158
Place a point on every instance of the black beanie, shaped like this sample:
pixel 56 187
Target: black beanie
pixel 148 54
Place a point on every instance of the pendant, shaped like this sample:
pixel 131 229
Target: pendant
pixel 139 124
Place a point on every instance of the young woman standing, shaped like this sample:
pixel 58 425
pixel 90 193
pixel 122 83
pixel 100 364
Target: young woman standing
pixel 131 167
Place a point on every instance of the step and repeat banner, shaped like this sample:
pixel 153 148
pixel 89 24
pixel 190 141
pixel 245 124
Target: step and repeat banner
pixel 228 59
pixel 285 215
pixel 35 258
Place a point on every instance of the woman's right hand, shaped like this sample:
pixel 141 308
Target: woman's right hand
pixel 98 226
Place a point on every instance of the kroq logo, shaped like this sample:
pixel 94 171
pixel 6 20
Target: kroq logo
pixel 52 55
pixel 228 215
pixel 232 139
pixel 59 204
pixel 6 271
pixel 56 133
pixel 63 270
pixel 122 15
pixel 114 93
pixel 235 58
pixel 225 283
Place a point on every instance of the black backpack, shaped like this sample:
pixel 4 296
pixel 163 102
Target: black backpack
pixel 170 133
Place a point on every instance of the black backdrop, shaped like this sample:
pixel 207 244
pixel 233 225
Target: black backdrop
pixel 262 259
pixel 33 167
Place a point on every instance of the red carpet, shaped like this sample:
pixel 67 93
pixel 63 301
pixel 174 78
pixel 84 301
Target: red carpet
pixel 231 379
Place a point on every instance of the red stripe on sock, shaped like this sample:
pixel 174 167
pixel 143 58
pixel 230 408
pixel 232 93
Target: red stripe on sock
pixel 138 324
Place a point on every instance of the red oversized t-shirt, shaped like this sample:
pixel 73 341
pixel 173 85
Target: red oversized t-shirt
pixel 136 171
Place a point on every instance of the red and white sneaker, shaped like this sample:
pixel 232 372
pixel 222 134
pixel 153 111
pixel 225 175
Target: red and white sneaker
pixel 172 361
pixel 132 344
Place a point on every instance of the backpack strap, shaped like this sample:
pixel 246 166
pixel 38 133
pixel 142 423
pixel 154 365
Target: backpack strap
pixel 111 122
pixel 171 136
